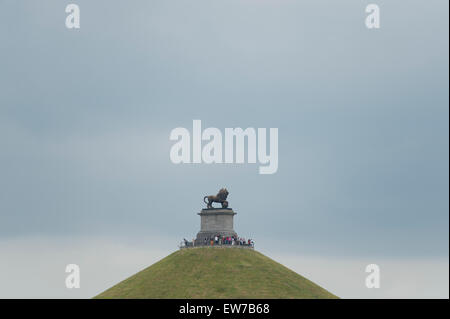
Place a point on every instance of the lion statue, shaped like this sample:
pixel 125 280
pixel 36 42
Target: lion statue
pixel 219 198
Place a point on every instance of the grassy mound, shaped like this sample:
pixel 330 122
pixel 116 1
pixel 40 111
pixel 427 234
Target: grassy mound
pixel 216 272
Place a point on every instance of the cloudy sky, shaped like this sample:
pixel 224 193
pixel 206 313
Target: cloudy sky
pixel 86 114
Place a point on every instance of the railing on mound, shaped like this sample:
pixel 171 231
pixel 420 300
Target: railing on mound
pixel 193 244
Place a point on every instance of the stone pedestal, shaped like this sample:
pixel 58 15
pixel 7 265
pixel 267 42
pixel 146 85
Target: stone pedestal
pixel 215 221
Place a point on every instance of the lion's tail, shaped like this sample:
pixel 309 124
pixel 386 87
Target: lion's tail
pixel 205 200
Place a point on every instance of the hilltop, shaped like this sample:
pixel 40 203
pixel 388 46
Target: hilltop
pixel 216 272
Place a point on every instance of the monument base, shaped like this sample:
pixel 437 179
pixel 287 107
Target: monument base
pixel 214 222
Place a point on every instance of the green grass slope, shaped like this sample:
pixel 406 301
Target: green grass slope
pixel 216 272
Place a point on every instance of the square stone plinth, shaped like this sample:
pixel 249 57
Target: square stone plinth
pixel 215 221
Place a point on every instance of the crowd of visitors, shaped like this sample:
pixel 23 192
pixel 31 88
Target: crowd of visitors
pixel 219 240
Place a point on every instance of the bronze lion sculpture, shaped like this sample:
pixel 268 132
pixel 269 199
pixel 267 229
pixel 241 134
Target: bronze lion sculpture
pixel 219 198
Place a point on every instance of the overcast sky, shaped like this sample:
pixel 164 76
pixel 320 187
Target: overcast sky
pixel 85 119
